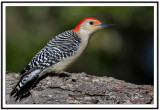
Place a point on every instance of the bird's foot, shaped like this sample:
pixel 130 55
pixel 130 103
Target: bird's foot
pixel 65 74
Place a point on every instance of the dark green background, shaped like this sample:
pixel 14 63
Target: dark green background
pixel 124 51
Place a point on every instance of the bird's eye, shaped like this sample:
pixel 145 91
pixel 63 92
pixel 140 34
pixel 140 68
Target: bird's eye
pixel 91 22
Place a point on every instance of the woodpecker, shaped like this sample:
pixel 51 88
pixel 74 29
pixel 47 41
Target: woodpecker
pixel 58 54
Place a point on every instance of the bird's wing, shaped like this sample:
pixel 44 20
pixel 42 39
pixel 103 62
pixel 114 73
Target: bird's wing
pixel 62 46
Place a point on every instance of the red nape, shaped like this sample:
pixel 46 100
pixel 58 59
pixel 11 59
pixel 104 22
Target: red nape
pixel 77 27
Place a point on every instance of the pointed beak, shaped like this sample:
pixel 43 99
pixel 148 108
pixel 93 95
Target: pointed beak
pixel 105 25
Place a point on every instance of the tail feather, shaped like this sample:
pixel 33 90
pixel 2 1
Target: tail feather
pixel 14 91
pixel 25 89
pixel 26 83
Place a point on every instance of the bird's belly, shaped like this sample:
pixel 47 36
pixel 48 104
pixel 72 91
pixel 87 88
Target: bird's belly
pixel 63 65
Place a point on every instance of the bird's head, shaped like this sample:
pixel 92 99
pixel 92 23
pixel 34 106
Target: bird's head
pixel 90 25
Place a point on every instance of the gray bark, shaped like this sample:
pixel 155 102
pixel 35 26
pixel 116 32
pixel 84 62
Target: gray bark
pixel 81 88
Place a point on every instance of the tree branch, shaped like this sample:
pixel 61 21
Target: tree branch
pixel 81 88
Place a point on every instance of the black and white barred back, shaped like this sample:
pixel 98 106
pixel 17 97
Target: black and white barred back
pixel 62 46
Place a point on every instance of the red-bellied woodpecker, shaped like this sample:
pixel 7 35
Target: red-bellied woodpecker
pixel 59 53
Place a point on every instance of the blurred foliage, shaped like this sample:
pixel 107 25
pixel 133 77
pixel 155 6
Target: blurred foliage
pixel 124 51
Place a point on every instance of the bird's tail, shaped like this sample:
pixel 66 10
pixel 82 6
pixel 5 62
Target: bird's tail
pixel 26 83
